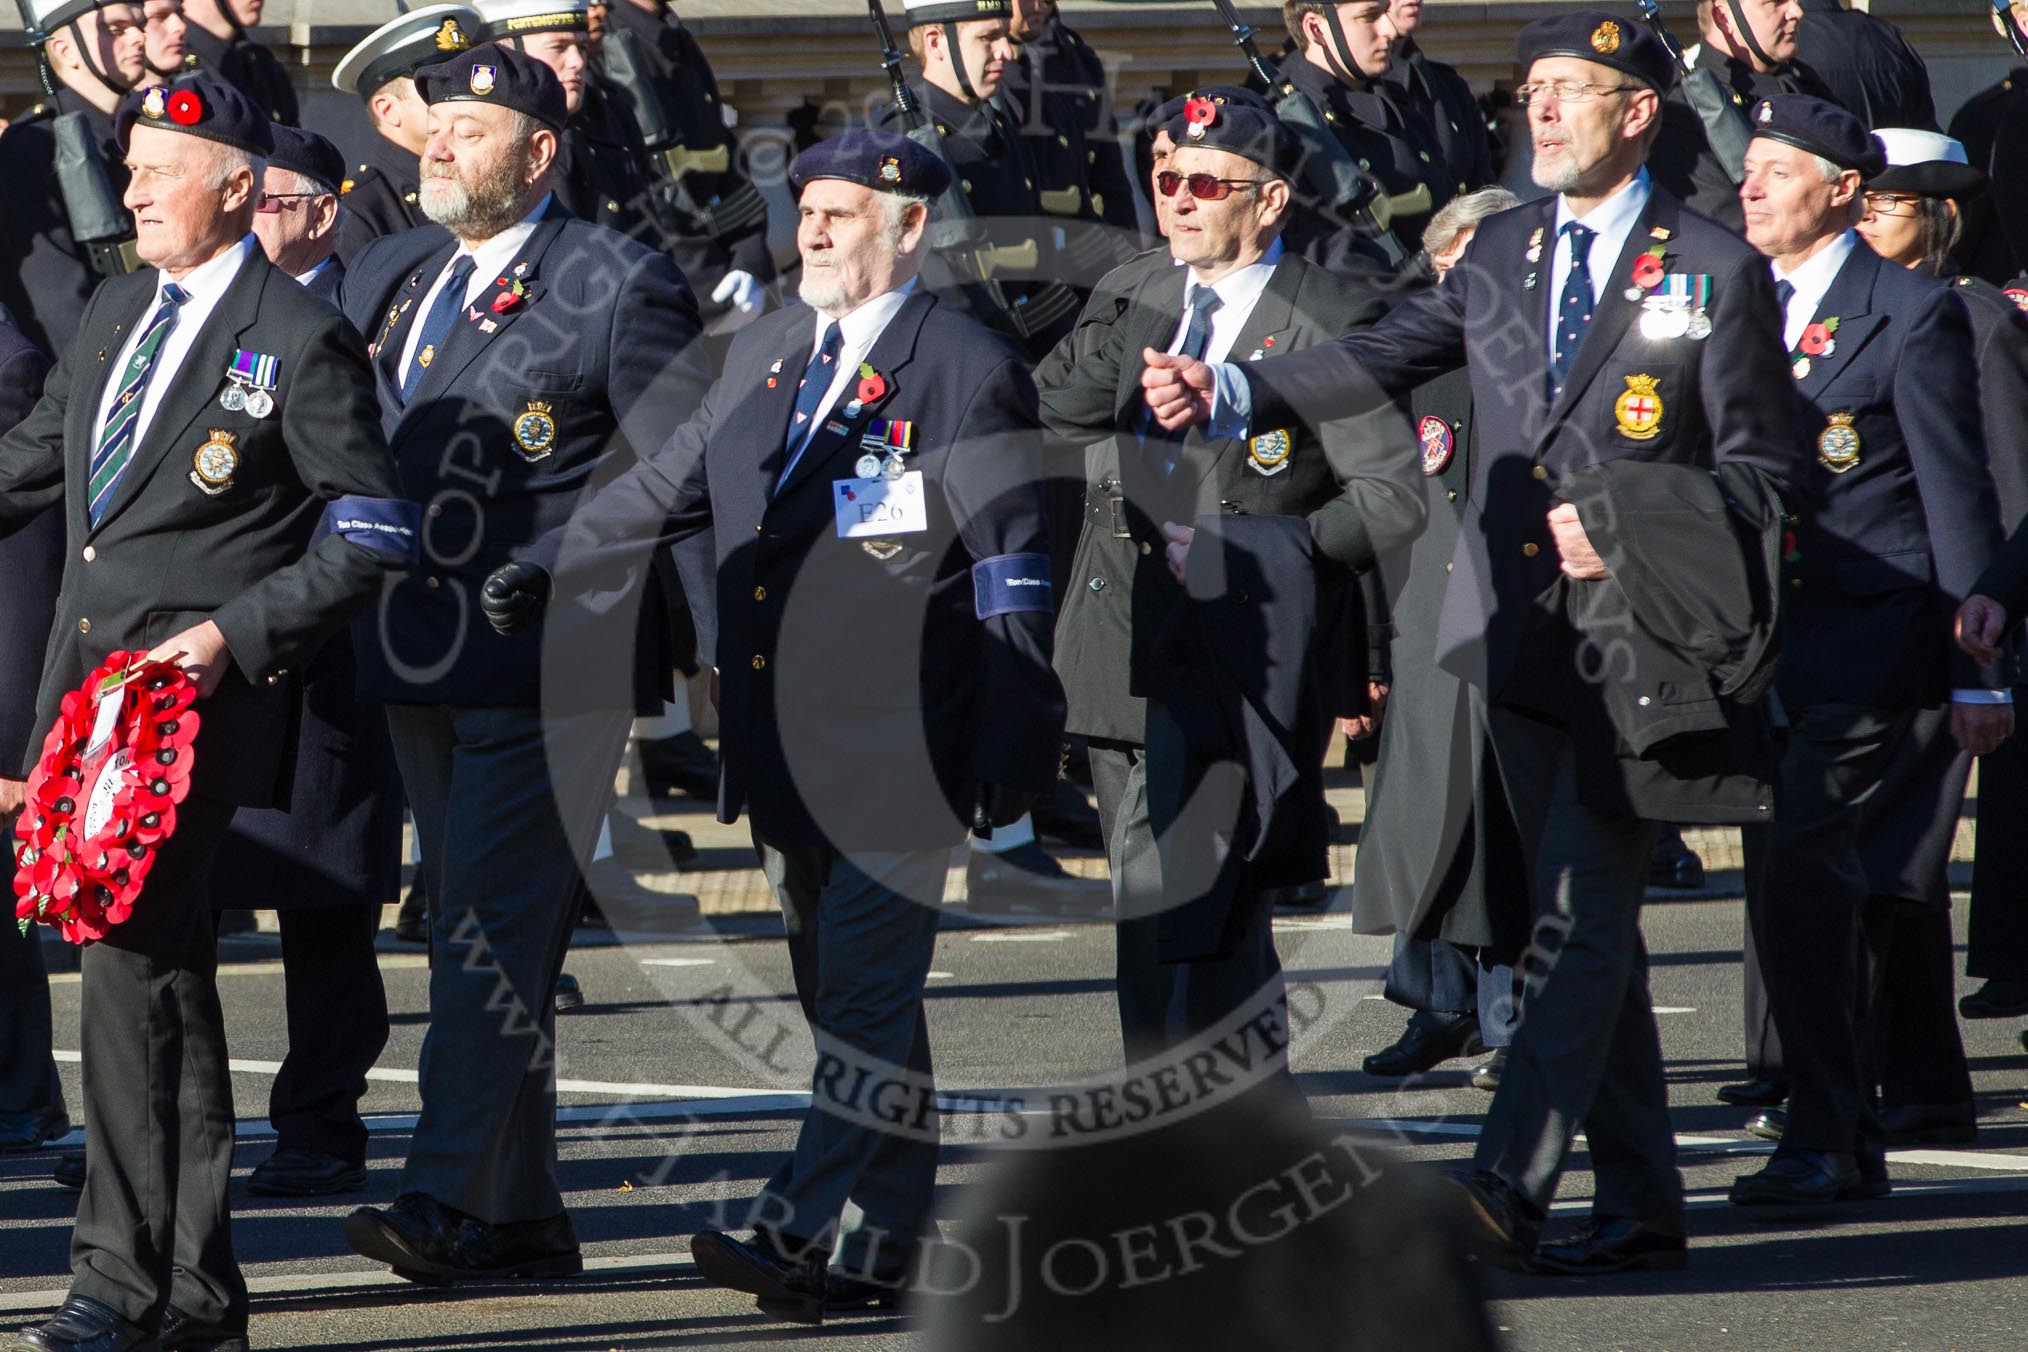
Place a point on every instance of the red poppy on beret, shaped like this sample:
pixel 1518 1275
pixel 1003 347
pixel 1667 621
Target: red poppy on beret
pixel 185 108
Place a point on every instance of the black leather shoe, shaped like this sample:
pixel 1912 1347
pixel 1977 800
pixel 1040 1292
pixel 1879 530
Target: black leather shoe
pixel 1800 1178
pixel 845 1294
pixel 1501 1226
pixel 70 1170
pixel 1065 815
pixel 1930 1124
pixel 181 1333
pixel 569 994
pixel 1027 881
pixel 412 921
pixel 682 764
pixel 1768 1125
pixel 1999 998
pixel 783 1281
pixel 1873 1181
pixel 1755 1093
pixel 1673 864
pixel 83 1325
pixel 1310 896
pixel 290 1172
pixel 1609 1244
pixel 1487 1077
pixel 1429 1040
pixel 34 1129
pixel 427 1242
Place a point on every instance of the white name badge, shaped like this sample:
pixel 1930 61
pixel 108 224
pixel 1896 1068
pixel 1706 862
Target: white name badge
pixel 872 508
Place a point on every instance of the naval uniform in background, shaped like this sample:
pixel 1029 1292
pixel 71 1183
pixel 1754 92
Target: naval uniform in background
pixel 1873 72
pixel 246 65
pixel 46 275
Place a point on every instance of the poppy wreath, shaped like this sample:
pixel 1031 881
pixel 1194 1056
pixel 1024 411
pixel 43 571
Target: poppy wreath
pixel 92 824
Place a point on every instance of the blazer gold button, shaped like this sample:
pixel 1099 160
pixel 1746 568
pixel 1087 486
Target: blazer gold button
pixel 1452 495
pixel 90 553
pixel 1449 566
pixel 1147 548
pixel 1540 472
pixel 760 593
pixel 436 509
pixel 1530 550
pixel 84 626
pixel 759 663
pixel 432 583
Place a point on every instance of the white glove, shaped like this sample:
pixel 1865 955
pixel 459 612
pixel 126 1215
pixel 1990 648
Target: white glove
pixel 744 295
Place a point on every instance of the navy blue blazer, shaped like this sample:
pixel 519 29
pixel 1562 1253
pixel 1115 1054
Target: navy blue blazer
pixel 523 406
pixel 868 686
pixel 1892 540
pixel 31 564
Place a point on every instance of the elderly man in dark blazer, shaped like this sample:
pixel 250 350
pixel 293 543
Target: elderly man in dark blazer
pixel 229 504
pixel 519 352
pixel 1605 326
pixel 31 563
pixel 862 498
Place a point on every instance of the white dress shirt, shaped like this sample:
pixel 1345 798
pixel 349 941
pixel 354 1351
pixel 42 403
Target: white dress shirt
pixel 1238 292
pixel 860 330
pixel 489 263
pixel 305 278
pixel 204 285
pixel 1811 281
pixel 1614 220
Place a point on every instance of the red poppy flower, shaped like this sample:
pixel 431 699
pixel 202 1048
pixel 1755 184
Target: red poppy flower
pixel 1200 112
pixel 504 302
pixel 1789 545
pixel 185 108
pixel 1648 271
pixel 1815 339
pixel 871 388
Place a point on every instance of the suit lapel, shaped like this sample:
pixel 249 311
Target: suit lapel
pixel 1609 321
pixel 1153 316
pixel 404 312
pixel 195 384
pixel 775 401
pixel 81 430
pixel 1850 299
pixel 1272 318
pixel 892 352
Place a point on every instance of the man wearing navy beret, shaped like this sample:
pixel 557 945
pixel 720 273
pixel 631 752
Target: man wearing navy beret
pixel 863 512
pixel 209 419
pixel 1613 338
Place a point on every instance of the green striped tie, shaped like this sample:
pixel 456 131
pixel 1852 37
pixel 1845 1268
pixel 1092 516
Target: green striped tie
pixel 116 440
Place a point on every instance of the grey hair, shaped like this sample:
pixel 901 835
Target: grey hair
pixel 292 181
pixel 227 160
pixel 1829 170
pixel 894 206
pixel 1465 213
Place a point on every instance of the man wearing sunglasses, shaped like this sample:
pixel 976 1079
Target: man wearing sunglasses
pixel 1198 953
pixel 1572 394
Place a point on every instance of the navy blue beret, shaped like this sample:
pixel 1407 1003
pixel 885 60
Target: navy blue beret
pixel 884 161
pixel 497 74
pixel 203 107
pixel 1595 35
pixel 1251 133
pixel 308 154
pixel 1822 128
pixel 1235 95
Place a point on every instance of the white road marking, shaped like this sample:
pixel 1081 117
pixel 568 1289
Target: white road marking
pixel 1021 937
pixel 678 962
pixel 941 976
pixel 1675 1009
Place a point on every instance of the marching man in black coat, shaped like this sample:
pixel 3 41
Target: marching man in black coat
pixel 1242 296
pixel 191 515
pixel 862 500
pixel 1567 384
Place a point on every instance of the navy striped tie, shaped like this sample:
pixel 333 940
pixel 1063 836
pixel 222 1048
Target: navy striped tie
pixel 116 438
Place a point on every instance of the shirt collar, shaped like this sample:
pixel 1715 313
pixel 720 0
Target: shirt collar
pixel 496 253
pixel 1614 217
pixel 862 326
pixel 305 278
pixel 1815 276
pixel 207 281
pixel 1239 290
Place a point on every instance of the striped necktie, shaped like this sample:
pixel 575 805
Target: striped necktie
pixel 116 438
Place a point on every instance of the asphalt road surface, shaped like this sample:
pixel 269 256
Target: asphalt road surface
pixel 680 1094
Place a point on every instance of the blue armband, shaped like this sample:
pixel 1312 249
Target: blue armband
pixel 386 526
pixel 1008 584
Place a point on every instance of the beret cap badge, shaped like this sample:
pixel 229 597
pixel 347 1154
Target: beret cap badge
pixel 1605 39
pixel 1764 113
pixel 1199 113
pixel 482 79
pixel 155 102
pixel 890 170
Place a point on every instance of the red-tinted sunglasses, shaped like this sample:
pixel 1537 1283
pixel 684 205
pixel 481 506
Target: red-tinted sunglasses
pixel 1203 187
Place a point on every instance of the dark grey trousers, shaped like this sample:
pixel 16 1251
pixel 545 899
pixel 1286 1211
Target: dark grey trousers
pixel 505 810
pixel 28 1081
pixel 337 1012
pixel 1586 1054
pixel 862 931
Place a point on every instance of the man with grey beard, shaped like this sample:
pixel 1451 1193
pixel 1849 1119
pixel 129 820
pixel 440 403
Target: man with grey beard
pixel 515 360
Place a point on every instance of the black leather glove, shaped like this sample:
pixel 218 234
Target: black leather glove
pixel 515 596
pixel 999 805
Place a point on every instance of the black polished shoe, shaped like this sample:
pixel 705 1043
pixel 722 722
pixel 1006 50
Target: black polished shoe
pixel 1309 897
pixel 1873 1181
pixel 1755 1093
pixel 1999 998
pixel 181 1333
pixel 1930 1124
pixel 1486 1078
pixel 427 1242
pixel 1027 881
pixel 83 1325
pixel 1066 816
pixel 1768 1125
pixel 1800 1178
pixel 412 921
pixel 34 1129
pixel 1429 1040
pixel 786 1278
pixel 845 1294
pixel 681 764
pixel 70 1170
pixel 1610 1244
pixel 1501 1226
pixel 1674 865
pixel 569 994
pixel 291 1172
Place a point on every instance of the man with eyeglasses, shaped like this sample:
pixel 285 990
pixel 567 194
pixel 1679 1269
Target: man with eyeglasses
pixel 1196 951
pixel 1341 58
pixel 1619 344
pixel 1751 46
